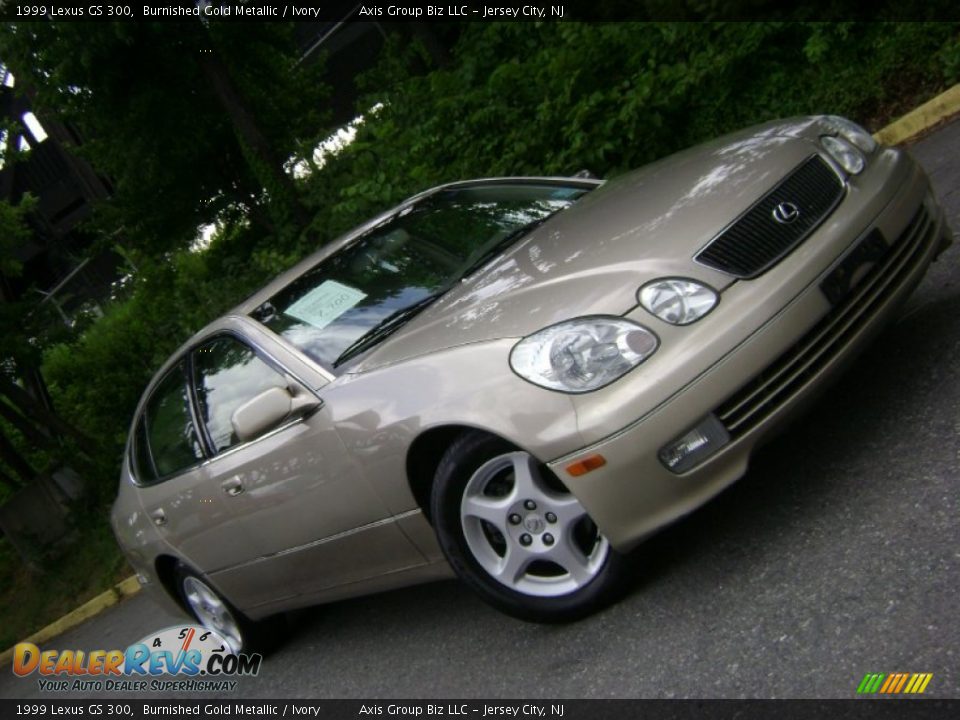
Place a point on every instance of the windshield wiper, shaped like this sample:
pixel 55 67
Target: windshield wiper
pixel 382 329
pixel 393 321
pixel 501 245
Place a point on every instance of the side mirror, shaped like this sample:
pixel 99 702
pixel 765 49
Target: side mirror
pixel 268 409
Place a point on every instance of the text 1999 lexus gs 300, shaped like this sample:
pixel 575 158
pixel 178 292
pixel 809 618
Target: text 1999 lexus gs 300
pixel 516 379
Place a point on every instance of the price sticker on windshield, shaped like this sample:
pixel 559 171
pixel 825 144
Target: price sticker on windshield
pixel 325 303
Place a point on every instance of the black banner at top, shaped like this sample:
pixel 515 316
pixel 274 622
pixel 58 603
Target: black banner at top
pixel 389 11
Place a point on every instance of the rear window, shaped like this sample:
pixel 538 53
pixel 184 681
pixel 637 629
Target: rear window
pixel 166 440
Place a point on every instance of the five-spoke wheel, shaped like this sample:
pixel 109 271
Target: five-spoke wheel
pixel 515 534
pixel 526 534
pixel 214 612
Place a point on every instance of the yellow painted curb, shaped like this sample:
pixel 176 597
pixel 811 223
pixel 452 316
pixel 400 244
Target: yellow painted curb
pixel 123 589
pixel 922 118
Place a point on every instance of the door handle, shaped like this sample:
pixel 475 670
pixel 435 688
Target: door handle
pixel 233 486
pixel 159 517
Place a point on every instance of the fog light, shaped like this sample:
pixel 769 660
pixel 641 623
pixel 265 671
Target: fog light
pixel 695 445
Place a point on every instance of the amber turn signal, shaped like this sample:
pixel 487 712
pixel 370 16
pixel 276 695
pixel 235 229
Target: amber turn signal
pixel 582 467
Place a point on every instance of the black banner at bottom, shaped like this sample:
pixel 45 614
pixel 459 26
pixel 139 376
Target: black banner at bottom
pixel 899 709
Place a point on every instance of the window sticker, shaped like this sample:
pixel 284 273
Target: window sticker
pixel 324 304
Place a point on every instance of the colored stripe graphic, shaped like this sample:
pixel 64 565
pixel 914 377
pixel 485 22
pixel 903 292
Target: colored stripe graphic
pixel 894 683
pixel 867 683
pixel 901 683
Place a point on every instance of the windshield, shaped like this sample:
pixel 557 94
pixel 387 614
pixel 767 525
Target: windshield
pixel 417 254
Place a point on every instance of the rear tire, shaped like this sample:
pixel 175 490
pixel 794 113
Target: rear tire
pixel 517 536
pixel 215 612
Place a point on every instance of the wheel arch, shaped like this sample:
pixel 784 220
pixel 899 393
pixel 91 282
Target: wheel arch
pixel 166 568
pixel 424 456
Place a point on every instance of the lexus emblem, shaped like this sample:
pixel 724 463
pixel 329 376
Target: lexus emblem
pixel 785 213
pixel 534 523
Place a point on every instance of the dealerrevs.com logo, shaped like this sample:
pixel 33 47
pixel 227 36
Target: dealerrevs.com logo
pixel 199 656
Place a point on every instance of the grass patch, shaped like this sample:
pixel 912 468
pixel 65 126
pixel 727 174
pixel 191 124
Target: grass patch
pixel 30 600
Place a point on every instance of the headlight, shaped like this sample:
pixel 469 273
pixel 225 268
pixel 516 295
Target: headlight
pixel 849 130
pixel 581 355
pixel 677 301
pixel 847 155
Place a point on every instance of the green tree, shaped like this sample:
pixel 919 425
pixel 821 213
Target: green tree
pixel 189 122
pixel 28 429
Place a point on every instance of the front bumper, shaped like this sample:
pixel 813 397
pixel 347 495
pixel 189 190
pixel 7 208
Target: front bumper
pixel 761 382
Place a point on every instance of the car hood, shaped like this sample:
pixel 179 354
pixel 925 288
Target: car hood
pixel 593 257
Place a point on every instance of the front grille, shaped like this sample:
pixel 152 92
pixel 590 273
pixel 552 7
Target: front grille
pixel 755 241
pixel 763 395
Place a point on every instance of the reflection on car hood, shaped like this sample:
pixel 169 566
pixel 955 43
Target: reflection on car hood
pixel 593 257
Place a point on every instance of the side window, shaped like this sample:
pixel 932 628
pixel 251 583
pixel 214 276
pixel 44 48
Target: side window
pixel 227 373
pixel 166 434
pixel 140 457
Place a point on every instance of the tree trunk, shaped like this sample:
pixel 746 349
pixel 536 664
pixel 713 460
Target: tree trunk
pixel 34 435
pixel 265 165
pixel 27 405
pixel 15 461
pixel 8 482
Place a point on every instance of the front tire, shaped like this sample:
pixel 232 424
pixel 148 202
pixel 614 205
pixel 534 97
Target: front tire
pixel 517 536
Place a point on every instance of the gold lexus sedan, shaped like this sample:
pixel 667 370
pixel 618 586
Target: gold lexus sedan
pixel 516 380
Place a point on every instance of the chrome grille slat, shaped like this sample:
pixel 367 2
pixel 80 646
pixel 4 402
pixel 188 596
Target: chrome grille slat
pixel 755 242
pixel 762 396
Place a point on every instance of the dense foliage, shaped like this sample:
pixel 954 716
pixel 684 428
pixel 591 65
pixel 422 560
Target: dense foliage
pixel 512 99
pixel 189 121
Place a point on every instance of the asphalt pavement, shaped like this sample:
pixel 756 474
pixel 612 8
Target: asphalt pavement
pixel 838 554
